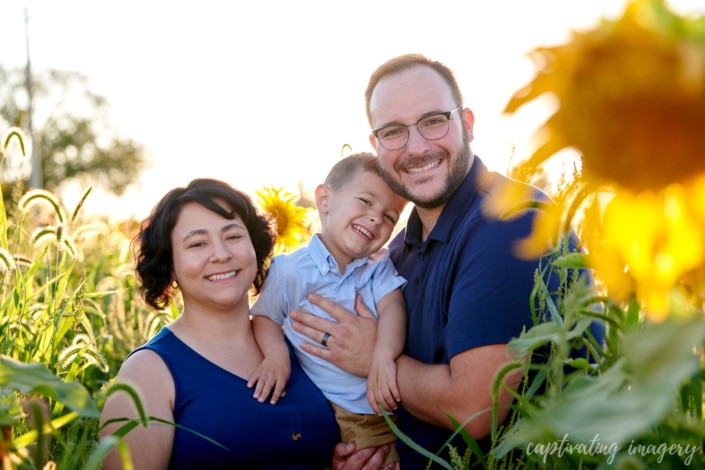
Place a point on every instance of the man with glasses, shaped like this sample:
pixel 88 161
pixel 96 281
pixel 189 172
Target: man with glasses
pixel 467 293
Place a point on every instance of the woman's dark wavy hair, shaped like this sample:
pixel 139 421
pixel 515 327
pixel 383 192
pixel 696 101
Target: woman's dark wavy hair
pixel 152 248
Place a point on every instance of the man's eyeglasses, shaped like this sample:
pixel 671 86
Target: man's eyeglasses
pixel 433 127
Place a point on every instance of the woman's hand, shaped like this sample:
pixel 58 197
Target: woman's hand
pixel 350 341
pixel 371 458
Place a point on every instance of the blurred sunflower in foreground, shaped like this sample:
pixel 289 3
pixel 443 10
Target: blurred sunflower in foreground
pixel 290 220
pixel 631 98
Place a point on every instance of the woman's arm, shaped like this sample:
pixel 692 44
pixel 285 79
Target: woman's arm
pixel 149 447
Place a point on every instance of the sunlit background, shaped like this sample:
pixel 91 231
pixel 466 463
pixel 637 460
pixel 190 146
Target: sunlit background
pixel 263 93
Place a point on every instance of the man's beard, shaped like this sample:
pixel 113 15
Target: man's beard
pixel 458 170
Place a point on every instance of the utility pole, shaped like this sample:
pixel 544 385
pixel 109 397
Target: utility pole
pixel 35 180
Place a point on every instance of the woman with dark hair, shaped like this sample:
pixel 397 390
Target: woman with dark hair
pixel 208 241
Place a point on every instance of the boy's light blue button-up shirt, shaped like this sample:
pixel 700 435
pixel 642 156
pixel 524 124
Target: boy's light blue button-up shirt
pixel 313 269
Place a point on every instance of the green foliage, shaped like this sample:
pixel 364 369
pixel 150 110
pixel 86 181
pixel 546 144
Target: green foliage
pixel 69 314
pixel 631 395
pixel 74 138
pixel 68 318
pixel 635 401
pixel 36 378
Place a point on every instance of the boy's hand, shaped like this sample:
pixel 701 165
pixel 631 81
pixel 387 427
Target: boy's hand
pixel 270 377
pixel 382 384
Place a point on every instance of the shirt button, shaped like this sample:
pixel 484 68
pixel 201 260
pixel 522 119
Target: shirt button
pixel 296 436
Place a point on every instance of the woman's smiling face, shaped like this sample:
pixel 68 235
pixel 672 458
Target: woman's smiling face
pixel 214 260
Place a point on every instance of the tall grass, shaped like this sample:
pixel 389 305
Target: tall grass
pixel 69 316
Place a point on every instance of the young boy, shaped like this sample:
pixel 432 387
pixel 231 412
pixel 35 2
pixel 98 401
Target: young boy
pixel 358 212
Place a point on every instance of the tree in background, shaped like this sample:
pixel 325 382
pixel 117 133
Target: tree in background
pixel 72 132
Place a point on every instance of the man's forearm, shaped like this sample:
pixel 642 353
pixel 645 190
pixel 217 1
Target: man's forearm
pixel 422 389
pixel 461 389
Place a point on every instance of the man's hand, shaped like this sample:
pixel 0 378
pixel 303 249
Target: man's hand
pixel 351 339
pixel 371 458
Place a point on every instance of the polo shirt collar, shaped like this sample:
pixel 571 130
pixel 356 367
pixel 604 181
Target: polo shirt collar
pixel 454 208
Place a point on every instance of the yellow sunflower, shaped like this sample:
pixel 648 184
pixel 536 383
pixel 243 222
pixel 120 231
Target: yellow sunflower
pixel 631 98
pixel 645 245
pixel 290 219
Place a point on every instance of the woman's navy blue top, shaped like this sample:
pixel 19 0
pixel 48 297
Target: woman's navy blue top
pixel 299 432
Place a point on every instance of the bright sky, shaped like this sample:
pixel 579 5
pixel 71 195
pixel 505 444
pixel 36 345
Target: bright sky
pixel 267 92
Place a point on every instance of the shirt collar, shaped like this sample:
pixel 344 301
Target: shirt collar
pixel 325 261
pixel 454 208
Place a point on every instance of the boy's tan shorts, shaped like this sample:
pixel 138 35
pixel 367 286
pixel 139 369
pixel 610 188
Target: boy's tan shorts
pixel 366 431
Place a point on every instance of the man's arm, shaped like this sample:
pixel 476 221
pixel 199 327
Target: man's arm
pixel 462 388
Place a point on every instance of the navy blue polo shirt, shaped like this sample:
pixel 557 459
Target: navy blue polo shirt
pixel 465 288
